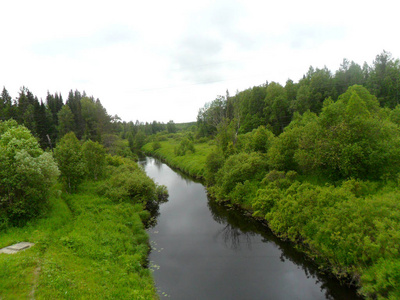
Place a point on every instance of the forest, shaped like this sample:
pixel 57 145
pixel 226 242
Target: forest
pixel 317 159
pixel 70 184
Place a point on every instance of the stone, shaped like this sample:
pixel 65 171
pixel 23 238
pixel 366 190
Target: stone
pixel 16 248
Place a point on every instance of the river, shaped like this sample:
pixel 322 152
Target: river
pixel 201 250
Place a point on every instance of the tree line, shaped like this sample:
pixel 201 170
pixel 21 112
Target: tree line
pixel 84 115
pixel 274 105
pixel 52 119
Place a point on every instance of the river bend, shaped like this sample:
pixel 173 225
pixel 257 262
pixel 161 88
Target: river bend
pixel 201 250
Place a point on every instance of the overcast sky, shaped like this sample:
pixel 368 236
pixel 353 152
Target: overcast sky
pixel 163 60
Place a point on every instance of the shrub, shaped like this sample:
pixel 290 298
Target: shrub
pixel 95 158
pixel 156 145
pixel 237 169
pixel 129 183
pixel 185 145
pixel 214 162
pixel 26 174
pixel 68 154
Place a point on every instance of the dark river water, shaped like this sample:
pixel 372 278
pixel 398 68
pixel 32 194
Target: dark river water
pixel 201 250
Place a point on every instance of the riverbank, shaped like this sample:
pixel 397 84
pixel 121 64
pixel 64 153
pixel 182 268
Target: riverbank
pixel 86 247
pixel 226 255
pixel 192 163
pixel 350 229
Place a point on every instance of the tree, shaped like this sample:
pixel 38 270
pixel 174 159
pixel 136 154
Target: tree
pixel 95 158
pixel 26 174
pixel 277 107
pixel 348 74
pixel 104 120
pixel 74 103
pixel 351 139
pixel 54 105
pixel 42 124
pixel 251 105
pixel 281 155
pixel 65 121
pixel 5 105
pixel 211 115
pixel 89 116
pixel 68 154
pixel 384 79
pixel 262 139
pixel 139 140
pixel 171 127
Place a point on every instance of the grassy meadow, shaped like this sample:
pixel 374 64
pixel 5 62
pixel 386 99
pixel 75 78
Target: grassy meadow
pixel 86 247
pixel 191 163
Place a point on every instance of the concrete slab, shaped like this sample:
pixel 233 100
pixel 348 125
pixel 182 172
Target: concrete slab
pixel 16 248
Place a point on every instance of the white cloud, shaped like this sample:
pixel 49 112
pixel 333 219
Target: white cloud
pixel 163 60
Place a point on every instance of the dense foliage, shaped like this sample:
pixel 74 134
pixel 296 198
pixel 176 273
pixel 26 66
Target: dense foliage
pixel 26 174
pixel 344 220
pixel 89 242
pixel 319 160
pixel 274 105
pixel 85 116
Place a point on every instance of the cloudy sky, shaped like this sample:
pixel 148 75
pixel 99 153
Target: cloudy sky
pixel 163 60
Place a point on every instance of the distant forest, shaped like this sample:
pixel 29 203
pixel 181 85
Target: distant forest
pixel 271 104
pixel 274 105
pixel 49 121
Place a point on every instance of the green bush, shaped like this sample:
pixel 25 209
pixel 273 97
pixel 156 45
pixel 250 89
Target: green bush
pixel 237 169
pixel 156 145
pixel 94 158
pixel 26 174
pixel 184 146
pixel 215 160
pixel 129 183
pixel 69 156
pixel 351 139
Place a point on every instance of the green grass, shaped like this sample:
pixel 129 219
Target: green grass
pixel 86 248
pixel 191 163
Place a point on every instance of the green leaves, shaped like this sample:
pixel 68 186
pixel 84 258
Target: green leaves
pixel 185 145
pixel 95 159
pixel 68 154
pixel 26 173
pixel 352 137
pixel 237 169
pixel 129 183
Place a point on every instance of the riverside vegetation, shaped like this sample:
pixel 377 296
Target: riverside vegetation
pixel 88 231
pixel 318 160
pixel 326 175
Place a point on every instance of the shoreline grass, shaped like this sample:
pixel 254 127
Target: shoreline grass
pixel 191 163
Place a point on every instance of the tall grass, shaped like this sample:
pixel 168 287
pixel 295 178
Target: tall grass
pixel 191 163
pixel 87 247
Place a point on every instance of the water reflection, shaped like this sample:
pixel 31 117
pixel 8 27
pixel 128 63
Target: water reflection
pixel 239 229
pixel 158 164
pixel 153 207
pixel 208 251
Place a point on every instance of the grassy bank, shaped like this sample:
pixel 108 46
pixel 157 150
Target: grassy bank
pixel 192 163
pixel 87 247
